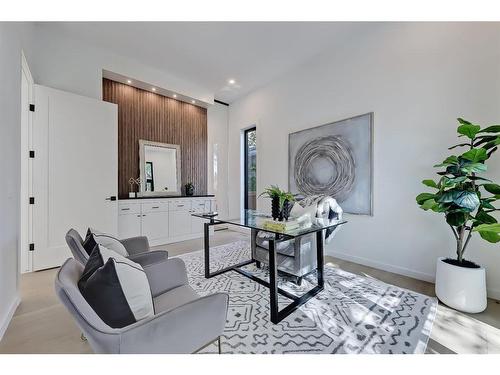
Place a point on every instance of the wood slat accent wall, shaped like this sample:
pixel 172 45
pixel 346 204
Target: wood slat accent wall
pixel 145 115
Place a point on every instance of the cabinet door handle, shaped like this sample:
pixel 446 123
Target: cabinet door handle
pixel 125 209
pixel 143 215
pixel 180 205
pixel 155 207
pixel 138 215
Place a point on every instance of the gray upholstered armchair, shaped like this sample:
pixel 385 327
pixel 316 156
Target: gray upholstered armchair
pixel 183 322
pixel 137 248
pixel 294 257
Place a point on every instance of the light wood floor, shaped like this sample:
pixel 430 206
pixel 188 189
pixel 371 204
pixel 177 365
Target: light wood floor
pixel 42 325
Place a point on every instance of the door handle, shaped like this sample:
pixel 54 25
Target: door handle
pixel 112 198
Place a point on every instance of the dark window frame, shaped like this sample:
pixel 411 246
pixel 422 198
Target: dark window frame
pixel 245 157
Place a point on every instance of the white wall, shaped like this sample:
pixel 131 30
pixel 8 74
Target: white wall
pixel 74 66
pixel 13 38
pixel 217 138
pixel 417 79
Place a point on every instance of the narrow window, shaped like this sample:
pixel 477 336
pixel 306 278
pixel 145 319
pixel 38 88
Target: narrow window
pixel 250 161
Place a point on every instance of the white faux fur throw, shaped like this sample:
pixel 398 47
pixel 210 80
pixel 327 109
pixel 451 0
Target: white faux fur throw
pixel 321 207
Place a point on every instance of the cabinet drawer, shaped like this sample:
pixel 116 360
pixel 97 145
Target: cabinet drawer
pixel 154 207
pixel 180 205
pixel 201 205
pixel 129 208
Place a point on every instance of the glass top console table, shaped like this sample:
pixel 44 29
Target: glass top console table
pixel 254 220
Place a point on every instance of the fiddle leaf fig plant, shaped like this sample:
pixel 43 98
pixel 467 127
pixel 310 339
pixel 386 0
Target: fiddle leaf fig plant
pixel 466 199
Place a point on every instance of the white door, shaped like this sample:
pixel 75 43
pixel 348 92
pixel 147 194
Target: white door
pixel 75 171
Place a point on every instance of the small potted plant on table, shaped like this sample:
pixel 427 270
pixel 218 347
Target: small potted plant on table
pixel 466 200
pixel 281 202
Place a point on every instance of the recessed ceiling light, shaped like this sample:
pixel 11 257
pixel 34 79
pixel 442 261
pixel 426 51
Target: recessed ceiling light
pixel 175 95
pixel 129 81
pixel 232 81
pixel 154 89
pixel 193 101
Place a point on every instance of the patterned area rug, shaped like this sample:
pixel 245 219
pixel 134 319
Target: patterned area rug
pixel 353 314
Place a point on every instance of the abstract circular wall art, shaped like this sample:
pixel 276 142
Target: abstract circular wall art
pixel 334 159
pixel 325 165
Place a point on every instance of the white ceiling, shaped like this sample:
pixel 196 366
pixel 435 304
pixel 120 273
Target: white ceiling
pixel 211 53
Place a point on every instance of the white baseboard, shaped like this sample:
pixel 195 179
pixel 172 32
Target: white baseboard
pixel 8 317
pixel 384 266
pixel 492 293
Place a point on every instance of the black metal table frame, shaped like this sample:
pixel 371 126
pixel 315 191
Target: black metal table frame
pixel 276 314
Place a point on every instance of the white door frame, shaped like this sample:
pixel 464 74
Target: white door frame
pixel 25 256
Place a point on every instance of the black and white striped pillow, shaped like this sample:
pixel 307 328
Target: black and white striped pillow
pixel 94 237
pixel 116 288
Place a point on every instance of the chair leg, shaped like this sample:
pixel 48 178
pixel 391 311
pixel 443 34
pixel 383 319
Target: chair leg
pixel 219 344
pixel 257 264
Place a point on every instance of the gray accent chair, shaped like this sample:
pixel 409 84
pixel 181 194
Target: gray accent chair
pixel 137 248
pixel 183 322
pixel 295 257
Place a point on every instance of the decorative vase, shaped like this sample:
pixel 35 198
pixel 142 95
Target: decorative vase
pixel 461 288
pixel 275 207
pixel 287 208
pixel 189 190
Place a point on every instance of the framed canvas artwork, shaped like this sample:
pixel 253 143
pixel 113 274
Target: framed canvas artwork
pixel 335 159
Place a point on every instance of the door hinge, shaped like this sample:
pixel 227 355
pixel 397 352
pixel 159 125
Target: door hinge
pixel 32 200
pixel 32 108
pixel 32 154
pixel 32 247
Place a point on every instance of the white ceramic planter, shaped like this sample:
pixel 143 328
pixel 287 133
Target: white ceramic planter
pixel 462 288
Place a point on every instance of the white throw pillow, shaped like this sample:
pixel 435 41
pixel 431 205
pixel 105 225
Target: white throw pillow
pixel 116 288
pixel 106 240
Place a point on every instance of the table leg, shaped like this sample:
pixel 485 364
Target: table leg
pixel 206 228
pixel 273 287
pixel 208 273
pixel 320 257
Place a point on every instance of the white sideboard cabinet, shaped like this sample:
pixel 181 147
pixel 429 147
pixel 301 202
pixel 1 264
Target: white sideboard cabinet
pixel 163 220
